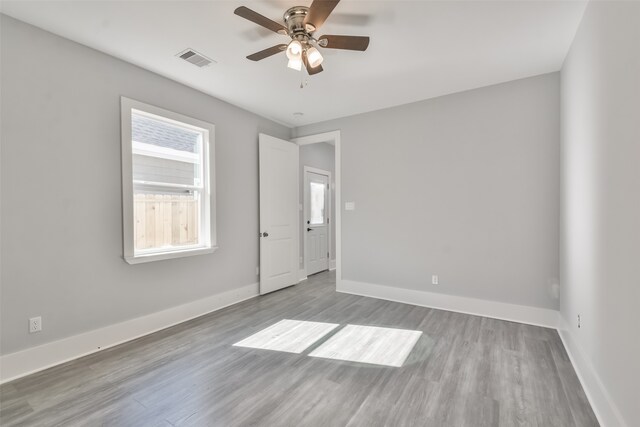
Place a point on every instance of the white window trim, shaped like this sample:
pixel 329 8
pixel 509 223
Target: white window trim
pixel 209 235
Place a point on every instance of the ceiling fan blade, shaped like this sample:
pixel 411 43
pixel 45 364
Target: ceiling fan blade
pixel 344 42
pixel 267 52
pixel 319 11
pixel 310 70
pixel 252 16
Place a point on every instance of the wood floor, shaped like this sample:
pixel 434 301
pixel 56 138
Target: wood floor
pixel 464 371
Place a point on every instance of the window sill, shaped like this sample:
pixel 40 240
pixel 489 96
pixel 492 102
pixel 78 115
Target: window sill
pixel 168 255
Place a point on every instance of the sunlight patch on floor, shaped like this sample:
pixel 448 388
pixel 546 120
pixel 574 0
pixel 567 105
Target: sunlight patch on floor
pixel 291 336
pixel 369 344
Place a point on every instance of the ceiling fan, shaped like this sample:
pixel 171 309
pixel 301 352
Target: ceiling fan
pixel 300 23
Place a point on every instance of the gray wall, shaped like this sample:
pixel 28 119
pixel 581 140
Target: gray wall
pixel 600 270
pixel 321 156
pixel 465 186
pixel 61 191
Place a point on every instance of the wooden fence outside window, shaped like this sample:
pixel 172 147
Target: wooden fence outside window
pixel 165 220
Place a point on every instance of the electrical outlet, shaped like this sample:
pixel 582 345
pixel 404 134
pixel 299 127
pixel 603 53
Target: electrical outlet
pixel 35 324
pixel 579 322
pixel 434 279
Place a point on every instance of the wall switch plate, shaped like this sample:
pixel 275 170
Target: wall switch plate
pixel 434 279
pixel 350 206
pixel 35 324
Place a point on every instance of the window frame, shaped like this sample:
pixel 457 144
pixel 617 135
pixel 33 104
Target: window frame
pixel 207 214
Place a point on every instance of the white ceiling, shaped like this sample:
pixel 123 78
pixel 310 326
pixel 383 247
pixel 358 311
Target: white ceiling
pixel 418 49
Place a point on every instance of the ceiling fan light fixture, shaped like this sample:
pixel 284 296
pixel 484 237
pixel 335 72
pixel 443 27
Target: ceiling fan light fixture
pixel 295 63
pixel 314 57
pixel 300 24
pixel 294 50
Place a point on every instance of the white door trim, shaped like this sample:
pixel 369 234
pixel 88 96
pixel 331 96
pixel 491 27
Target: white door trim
pixel 332 138
pixel 305 214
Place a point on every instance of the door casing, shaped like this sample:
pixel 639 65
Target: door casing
pixel 332 137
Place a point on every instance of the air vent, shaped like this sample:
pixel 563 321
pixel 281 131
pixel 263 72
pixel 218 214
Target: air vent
pixel 195 58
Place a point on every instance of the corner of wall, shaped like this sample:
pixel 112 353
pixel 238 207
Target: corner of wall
pixel 603 406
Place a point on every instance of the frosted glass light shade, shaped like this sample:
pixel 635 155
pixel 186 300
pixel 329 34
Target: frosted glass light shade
pixel 294 49
pixel 314 57
pixel 295 63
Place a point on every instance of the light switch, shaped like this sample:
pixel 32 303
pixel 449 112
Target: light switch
pixel 350 206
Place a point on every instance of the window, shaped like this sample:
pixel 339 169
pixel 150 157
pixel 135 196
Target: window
pixel 317 203
pixel 168 195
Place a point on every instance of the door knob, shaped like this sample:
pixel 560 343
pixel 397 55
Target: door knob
pixel 309 229
pixel 265 234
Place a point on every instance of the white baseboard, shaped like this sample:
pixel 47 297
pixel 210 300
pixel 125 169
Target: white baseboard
pixel 332 264
pixel 31 360
pixel 603 406
pixel 497 310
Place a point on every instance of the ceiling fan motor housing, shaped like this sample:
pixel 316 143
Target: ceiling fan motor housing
pixel 294 19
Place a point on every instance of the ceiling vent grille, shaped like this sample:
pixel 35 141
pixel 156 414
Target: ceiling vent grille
pixel 195 58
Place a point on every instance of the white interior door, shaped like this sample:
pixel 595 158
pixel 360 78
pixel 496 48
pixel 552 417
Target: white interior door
pixel 316 195
pixel 279 238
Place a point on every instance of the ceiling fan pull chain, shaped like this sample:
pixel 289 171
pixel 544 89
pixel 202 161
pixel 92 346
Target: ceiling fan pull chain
pixel 304 81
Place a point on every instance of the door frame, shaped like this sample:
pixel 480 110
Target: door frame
pixel 305 213
pixel 333 138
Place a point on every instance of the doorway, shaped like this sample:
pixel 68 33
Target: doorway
pixel 333 207
pixel 317 217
